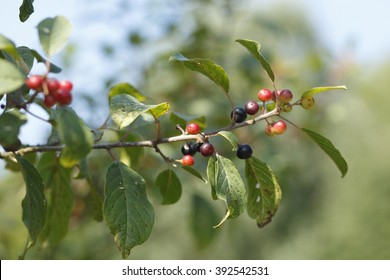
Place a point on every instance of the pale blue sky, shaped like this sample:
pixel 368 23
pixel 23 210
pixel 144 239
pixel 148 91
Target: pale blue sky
pixel 340 22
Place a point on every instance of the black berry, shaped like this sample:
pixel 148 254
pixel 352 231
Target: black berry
pixel 244 151
pixel 240 115
pixel 251 107
pixel 189 148
pixel 207 149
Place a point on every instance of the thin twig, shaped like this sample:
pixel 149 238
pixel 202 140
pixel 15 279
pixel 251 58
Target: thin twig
pixel 146 143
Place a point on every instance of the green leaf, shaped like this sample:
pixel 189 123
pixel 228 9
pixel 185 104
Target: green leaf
pixel 53 34
pixel 74 134
pixel 254 48
pixel 10 123
pixel 169 186
pixel 58 180
pixel 203 217
pixel 327 146
pixel 264 193
pixel 125 88
pixel 316 90
pixel 10 77
pixel 126 208
pixel 231 137
pixel 8 46
pixel 125 109
pixel 26 60
pixel 34 204
pixel 211 175
pixel 41 59
pixel 227 185
pixel 206 67
pixel 182 120
pixel 194 172
pixel 25 10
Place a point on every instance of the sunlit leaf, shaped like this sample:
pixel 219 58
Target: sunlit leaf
pixel 125 88
pixel 8 46
pixel 125 109
pixel 264 193
pixel 169 186
pixel 126 208
pixel 10 77
pixel 316 90
pixel 58 180
pixel 227 185
pixel 230 136
pixel 34 204
pixel 327 146
pixel 54 34
pixel 206 67
pixel 254 48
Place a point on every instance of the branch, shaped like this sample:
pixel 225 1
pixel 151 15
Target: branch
pixel 145 143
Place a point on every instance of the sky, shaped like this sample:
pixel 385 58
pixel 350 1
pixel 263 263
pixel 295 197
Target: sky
pixel 341 24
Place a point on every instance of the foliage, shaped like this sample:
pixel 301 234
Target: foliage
pixel 126 208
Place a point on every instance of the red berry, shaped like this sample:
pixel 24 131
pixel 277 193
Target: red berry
pixel 193 128
pixel 264 94
pixel 188 160
pixel 49 101
pixel 251 107
pixel 207 149
pixel 64 97
pixel 34 82
pixel 279 127
pixel 268 130
pixel 52 85
pixel 274 94
pixel 285 96
pixel 67 85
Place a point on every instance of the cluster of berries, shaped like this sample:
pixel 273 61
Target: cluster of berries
pixel 206 149
pixel 54 91
pixel 265 95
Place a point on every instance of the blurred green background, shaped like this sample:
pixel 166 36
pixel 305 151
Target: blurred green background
pixel 321 216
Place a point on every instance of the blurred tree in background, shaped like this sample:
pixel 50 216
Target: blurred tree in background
pixel 320 217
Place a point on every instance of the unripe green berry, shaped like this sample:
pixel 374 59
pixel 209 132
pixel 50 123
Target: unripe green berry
pixel 307 103
pixel 286 107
